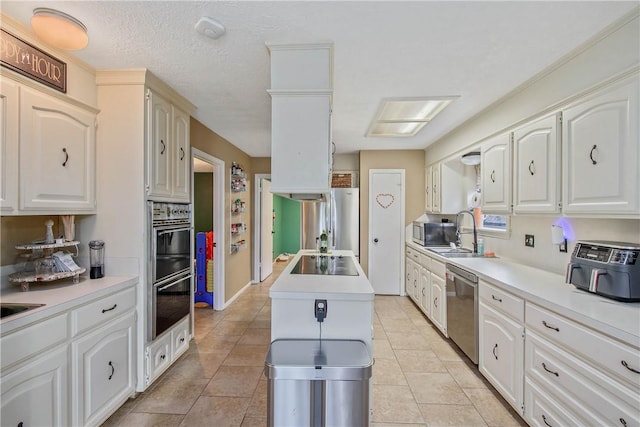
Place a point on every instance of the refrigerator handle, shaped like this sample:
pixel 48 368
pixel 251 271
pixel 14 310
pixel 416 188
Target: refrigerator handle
pixel 332 218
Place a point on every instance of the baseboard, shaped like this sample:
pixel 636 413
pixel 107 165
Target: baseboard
pixel 240 292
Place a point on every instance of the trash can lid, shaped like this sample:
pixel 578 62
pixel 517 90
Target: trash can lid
pixel 318 360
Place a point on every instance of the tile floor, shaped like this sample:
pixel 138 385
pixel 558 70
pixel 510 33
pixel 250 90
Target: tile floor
pixel 419 378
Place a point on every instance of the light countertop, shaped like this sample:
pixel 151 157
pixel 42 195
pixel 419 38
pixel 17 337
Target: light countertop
pixel 617 319
pixel 305 286
pixel 57 297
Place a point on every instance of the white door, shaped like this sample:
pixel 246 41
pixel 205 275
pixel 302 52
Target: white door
pixel 266 227
pixel 386 230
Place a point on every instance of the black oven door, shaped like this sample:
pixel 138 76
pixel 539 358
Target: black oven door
pixel 171 302
pixel 171 252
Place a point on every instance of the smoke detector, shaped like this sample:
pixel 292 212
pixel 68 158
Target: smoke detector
pixel 210 27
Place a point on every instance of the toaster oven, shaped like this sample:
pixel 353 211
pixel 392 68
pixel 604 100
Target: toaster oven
pixel 610 269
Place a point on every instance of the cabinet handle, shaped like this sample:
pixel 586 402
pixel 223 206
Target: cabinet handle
pixel 493 176
pixel 534 166
pixel 423 292
pixel 550 326
pixel 593 161
pixel 549 370
pixel 495 347
pixel 496 299
pixel 626 365
pixel 104 310
pixel 545 420
pixel 20 424
pixel 623 422
pixel 163 147
pixel 435 302
pixel 163 356
pixel 113 370
pixel 182 339
pixel 181 153
pixel 66 157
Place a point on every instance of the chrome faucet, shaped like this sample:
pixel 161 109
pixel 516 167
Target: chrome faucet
pixel 459 233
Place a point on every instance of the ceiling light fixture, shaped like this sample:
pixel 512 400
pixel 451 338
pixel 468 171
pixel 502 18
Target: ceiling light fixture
pixel 59 29
pixel 210 27
pixel 403 117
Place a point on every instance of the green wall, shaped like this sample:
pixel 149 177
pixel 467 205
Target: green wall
pixel 286 227
pixel 202 202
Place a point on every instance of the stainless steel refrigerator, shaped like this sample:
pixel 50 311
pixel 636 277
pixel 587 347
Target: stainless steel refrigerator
pixel 339 216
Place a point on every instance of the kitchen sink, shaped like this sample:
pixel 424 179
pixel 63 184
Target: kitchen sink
pixel 448 252
pixel 9 309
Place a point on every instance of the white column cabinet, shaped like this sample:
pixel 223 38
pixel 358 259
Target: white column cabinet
pixel 601 152
pixel 9 113
pixel 496 174
pixel 57 155
pixel 536 149
pixel 168 147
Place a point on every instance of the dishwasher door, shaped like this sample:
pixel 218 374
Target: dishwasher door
pixel 462 310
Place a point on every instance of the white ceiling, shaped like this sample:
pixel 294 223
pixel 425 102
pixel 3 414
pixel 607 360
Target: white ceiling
pixel 478 50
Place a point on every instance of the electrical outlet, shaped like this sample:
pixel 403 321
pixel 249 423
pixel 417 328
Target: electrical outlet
pixel 320 310
pixel 529 240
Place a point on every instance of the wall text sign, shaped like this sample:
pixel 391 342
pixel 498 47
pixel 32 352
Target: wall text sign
pixel 32 62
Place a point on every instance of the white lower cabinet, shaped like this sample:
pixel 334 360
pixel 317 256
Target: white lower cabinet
pixel 500 358
pixel 425 291
pixel 165 349
pixel 438 303
pixel 543 409
pixel 36 393
pixel 103 371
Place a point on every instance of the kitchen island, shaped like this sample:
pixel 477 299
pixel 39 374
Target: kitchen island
pixel 336 277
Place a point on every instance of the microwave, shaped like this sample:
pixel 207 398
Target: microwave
pixel 434 233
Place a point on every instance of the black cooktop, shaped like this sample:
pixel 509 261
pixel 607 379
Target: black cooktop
pixel 330 265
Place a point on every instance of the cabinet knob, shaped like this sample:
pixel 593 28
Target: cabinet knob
pixel 375 240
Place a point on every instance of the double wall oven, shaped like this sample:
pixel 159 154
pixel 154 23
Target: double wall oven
pixel 169 270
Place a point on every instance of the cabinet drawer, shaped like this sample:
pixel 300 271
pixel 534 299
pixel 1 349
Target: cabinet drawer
pixel 158 357
pixel 180 338
pixel 32 340
pixel 502 301
pixel 611 355
pixel 413 255
pixel 102 310
pixel 604 400
pixel 438 268
pixel 425 261
pixel 542 411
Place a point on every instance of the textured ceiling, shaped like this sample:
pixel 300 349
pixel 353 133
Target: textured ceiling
pixel 478 50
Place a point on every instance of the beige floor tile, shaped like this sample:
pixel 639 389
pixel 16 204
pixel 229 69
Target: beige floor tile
pixel 419 361
pixel 216 411
pixel 382 349
pixel 229 327
pixel 436 388
pixel 171 396
pixel 211 343
pixel 120 414
pixel 254 422
pixel 397 425
pixel 195 365
pixel 387 371
pixel 378 332
pixel 465 375
pixel 141 419
pixel 394 404
pixel 451 415
pixel 260 324
pixel 446 351
pixel 256 336
pixel 247 355
pixel 407 341
pixel 492 409
pixel 402 325
pixel 234 381
pixel 258 406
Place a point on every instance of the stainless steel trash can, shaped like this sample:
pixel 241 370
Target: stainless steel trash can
pixel 318 383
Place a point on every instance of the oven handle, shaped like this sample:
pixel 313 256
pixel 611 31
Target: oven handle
pixel 171 282
pixel 166 230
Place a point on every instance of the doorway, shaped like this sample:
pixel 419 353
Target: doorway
pixel 386 230
pixel 207 193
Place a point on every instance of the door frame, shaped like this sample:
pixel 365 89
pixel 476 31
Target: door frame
pixel 257 227
pixel 218 223
pixel 401 252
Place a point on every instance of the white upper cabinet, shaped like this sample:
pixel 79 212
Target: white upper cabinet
pixel 428 192
pixel 444 192
pixel 436 192
pixel 536 166
pixel 601 154
pixel 57 155
pixel 9 113
pixel 168 151
pixel 496 174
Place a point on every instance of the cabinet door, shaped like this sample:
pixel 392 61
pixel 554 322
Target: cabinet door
pixel 180 338
pixel 436 192
pixel 501 354
pixel 409 270
pixel 425 290
pixel 160 153
pixel 8 146
pixel 536 160
pixel 300 145
pixel 428 190
pixel 36 394
pixel 496 174
pixel 182 161
pixel 438 303
pixel 57 155
pixel 601 152
pixel 103 371
pixel 158 357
